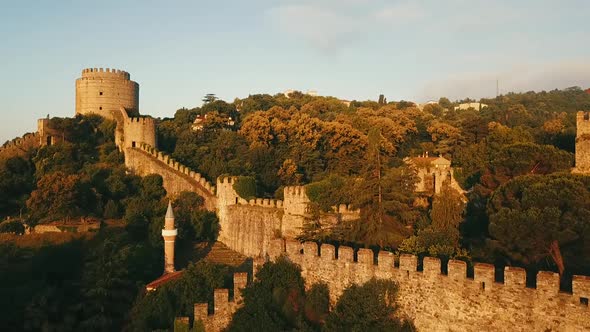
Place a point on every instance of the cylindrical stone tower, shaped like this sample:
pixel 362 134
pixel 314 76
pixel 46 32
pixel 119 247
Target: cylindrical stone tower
pixel 105 91
pixel 169 234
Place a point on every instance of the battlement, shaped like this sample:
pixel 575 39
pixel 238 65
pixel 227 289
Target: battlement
pixel 266 202
pixel 346 209
pixel 582 116
pixel 105 73
pixel 582 124
pixel 19 141
pixel 227 179
pixel 142 120
pixel 223 306
pixel 295 191
pixel 311 255
pixel 177 166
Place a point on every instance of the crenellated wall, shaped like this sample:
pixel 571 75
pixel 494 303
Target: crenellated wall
pixel 19 146
pixel 452 301
pixel 145 160
pixel 223 307
pixel 248 227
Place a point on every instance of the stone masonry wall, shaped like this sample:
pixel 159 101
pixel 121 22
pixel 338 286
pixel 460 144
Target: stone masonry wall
pixel 137 131
pixel 452 301
pixel 19 146
pixel 248 226
pixel 222 310
pixel 582 143
pixel 145 160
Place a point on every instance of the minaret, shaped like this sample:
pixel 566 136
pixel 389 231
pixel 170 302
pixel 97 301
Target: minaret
pixel 169 235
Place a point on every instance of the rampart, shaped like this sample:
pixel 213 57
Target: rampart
pixel 145 160
pixel 223 307
pixel 19 146
pixel 449 301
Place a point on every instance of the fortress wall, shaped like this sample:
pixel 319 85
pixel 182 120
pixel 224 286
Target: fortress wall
pixel 223 307
pixel 452 301
pixel 145 160
pixel 246 226
pixel 19 146
pixel 251 229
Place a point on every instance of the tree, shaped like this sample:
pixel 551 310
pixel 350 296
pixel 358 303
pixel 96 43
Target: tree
pixel 368 307
pixel 59 195
pixel 209 98
pixel 445 103
pixel 274 301
pixel 14 227
pixel 537 217
pixel 447 208
pixel 16 183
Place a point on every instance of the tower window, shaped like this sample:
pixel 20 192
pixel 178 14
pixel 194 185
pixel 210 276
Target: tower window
pixel 100 108
pixel 584 301
pixel 100 93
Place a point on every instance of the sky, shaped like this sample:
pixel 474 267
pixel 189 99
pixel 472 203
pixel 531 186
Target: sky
pixel 178 51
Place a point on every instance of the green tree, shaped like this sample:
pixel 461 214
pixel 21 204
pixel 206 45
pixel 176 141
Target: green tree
pixel 274 301
pixel 368 307
pixel 16 183
pixel 59 195
pixel 533 218
pixel 209 98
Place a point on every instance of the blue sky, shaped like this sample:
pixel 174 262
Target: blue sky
pixel 353 49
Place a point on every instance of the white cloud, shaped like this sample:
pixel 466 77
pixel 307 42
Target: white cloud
pixel 322 27
pixel 401 12
pixel 518 78
pixel 331 25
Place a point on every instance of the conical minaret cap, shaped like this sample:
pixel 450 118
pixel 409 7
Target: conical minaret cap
pixel 169 212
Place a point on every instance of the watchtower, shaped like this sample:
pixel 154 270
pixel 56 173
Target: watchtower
pixel 105 91
pixel 582 143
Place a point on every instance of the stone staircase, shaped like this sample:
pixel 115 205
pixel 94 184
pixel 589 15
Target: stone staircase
pixel 218 253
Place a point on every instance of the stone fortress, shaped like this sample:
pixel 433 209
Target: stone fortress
pixel 437 297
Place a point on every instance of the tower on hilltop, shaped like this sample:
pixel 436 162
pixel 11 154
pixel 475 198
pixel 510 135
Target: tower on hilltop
pixel 169 234
pixel 582 143
pixel 105 91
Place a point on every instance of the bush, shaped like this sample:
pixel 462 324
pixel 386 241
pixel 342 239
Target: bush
pixel 111 210
pixel 245 187
pixel 14 227
pixel 368 307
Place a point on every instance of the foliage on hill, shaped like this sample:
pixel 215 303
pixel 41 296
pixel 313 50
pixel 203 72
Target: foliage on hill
pixel 353 155
pixel 86 284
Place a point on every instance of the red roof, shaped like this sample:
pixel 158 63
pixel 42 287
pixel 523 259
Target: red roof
pixel 163 280
pixel 588 91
